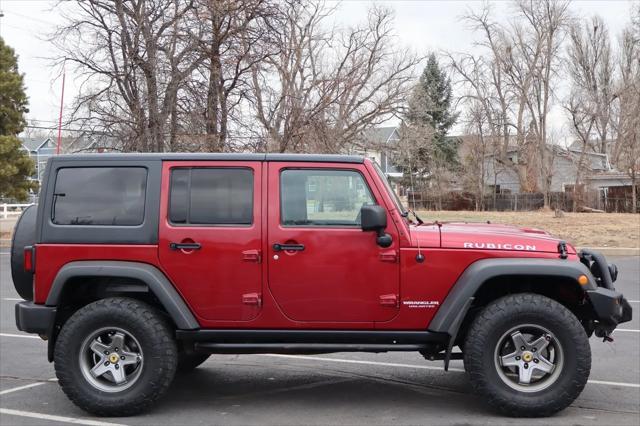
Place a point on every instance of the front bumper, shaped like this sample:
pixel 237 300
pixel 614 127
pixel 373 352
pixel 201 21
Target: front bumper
pixel 610 307
pixel 33 318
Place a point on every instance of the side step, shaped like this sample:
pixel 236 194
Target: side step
pixel 341 337
pixel 297 348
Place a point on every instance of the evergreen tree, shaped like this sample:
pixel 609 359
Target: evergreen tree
pixel 430 104
pixel 15 165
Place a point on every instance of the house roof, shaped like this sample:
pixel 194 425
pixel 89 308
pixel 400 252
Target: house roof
pixel 594 161
pixel 592 146
pixel 378 135
pixel 33 144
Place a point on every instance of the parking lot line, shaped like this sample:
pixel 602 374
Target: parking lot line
pixel 13 299
pixel 23 336
pixel 62 419
pixel 604 382
pixel 420 367
pixel 628 330
pixel 19 388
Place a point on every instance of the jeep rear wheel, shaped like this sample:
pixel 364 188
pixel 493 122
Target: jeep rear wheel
pixel 115 357
pixel 528 355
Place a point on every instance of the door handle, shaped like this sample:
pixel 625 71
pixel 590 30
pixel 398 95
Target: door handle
pixel 288 247
pixel 184 246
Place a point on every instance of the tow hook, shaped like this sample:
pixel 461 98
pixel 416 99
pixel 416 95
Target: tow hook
pixel 604 333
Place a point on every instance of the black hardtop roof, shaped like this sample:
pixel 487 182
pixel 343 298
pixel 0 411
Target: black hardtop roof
pixel 189 156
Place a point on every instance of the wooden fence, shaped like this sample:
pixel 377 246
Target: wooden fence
pixel 12 210
pixel 522 202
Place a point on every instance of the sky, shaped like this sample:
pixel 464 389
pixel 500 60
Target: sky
pixel 422 26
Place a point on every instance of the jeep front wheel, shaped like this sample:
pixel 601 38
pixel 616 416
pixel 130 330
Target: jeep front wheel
pixel 528 354
pixel 115 357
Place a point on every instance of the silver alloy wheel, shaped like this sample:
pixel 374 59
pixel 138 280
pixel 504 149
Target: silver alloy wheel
pixel 529 358
pixel 111 359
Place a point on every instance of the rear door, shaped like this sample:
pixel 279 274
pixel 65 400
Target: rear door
pixel 322 266
pixel 210 236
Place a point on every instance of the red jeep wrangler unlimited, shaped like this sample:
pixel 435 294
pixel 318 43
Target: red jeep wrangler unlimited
pixel 136 266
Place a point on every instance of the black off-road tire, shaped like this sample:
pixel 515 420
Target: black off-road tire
pixel 155 337
pixel 189 361
pixel 511 311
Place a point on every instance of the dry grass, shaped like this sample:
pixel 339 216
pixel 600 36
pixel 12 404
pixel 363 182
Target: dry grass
pixel 580 229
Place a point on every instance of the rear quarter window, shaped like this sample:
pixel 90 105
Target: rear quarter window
pixel 108 196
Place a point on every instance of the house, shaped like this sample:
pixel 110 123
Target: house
pixel 39 149
pixel 597 173
pixel 378 144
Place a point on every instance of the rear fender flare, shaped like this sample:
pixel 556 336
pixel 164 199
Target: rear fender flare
pixel 447 319
pixel 156 281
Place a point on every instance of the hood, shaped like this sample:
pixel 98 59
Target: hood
pixel 487 236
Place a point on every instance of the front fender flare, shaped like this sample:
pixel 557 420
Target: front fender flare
pixel 448 317
pixel 157 282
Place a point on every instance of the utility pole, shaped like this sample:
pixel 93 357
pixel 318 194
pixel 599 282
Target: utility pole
pixel 61 105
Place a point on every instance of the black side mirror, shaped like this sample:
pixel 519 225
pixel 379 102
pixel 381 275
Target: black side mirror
pixel 374 218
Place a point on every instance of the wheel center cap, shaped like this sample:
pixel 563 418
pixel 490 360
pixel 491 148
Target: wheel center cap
pixel 527 356
pixel 113 358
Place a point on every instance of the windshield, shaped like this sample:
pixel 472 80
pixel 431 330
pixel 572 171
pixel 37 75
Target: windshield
pixel 387 185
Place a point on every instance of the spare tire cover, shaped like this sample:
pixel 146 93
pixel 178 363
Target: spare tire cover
pixel 24 234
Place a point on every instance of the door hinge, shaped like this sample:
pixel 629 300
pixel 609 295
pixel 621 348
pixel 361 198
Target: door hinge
pixel 391 300
pixel 252 299
pixel 251 256
pixel 390 256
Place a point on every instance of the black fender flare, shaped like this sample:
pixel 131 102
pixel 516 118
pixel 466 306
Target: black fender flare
pixel 453 310
pixel 156 281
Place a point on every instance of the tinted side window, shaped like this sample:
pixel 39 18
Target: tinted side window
pixel 99 196
pixel 322 197
pixel 211 196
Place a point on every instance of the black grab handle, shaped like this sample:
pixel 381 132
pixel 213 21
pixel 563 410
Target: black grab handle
pixel 288 247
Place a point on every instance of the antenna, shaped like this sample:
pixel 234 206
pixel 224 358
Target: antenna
pixel 419 256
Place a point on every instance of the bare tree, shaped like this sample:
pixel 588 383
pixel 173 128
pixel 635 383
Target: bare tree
pixel 590 104
pixel 327 85
pixel 133 56
pixel 521 71
pixel 628 125
pixel 235 38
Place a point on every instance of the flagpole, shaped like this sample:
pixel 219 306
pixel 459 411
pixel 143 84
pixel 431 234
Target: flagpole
pixel 61 105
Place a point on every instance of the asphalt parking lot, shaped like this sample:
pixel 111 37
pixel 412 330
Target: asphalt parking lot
pixel 345 388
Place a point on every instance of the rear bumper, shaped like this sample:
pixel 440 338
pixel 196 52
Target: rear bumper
pixel 33 318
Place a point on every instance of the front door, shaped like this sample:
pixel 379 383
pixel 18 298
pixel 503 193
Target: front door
pixel 322 266
pixel 210 236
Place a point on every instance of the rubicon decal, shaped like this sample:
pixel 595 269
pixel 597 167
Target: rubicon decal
pixel 499 246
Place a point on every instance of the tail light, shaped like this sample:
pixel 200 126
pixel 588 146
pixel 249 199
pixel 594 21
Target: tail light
pixel 29 260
